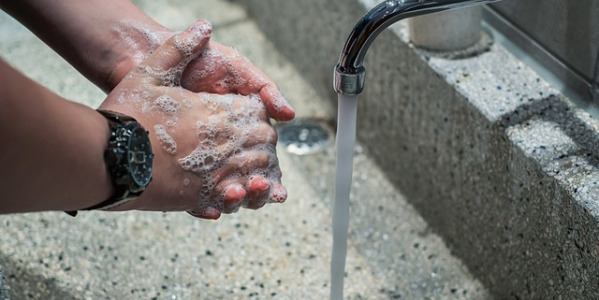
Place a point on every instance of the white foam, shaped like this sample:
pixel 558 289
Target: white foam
pixel 211 60
pixel 168 104
pixel 140 38
pixel 219 142
pixel 167 142
pixel 172 123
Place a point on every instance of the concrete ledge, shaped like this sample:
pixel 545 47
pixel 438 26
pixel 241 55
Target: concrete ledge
pixel 500 164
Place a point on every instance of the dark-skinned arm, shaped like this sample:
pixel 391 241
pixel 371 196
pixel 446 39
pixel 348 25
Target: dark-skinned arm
pixel 106 39
pixel 51 149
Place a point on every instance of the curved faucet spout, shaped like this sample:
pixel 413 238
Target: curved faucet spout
pixel 349 71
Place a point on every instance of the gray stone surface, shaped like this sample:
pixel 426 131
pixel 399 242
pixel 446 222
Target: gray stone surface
pixel 578 25
pixel 278 252
pixel 3 288
pixel 498 163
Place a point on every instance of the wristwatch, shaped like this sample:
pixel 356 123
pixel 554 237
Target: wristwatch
pixel 128 159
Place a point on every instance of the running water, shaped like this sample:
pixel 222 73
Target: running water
pixel 346 138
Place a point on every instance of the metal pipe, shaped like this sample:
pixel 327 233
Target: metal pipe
pixel 349 71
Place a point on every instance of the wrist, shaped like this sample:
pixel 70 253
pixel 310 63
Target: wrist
pixel 128 158
pixel 134 42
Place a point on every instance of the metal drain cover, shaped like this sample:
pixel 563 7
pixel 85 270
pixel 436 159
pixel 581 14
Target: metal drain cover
pixel 304 136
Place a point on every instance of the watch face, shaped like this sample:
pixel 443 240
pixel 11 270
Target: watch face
pixel 140 157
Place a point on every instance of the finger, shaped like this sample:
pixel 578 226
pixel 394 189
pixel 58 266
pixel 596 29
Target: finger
pixel 230 72
pixel 258 185
pixel 264 136
pixel 257 82
pixel 277 106
pixel 177 51
pixel 249 107
pixel 233 198
pixel 258 189
pixel 260 198
pixel 209 213
pixel 243 164
pixel 278 194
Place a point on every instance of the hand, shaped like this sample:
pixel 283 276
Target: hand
pixel 213 153
pixel 217 69
pixel 220 69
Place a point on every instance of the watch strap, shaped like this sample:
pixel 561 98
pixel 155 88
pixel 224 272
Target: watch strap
pixel 121 196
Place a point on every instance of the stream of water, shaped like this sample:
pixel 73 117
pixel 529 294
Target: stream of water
pixel 346 138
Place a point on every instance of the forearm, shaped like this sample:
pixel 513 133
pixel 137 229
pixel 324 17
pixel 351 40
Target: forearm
pixel 51 150
pixel 101 38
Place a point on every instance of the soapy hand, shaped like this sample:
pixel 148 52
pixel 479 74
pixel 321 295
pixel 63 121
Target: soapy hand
pixel 216 69
pixel 214 152
pixel 220 69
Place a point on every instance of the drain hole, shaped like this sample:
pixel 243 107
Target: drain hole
pixel 304 136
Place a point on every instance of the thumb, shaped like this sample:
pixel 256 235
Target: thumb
pixel 168 61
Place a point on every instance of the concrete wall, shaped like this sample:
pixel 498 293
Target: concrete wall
pixel 500 164
pixel 558 24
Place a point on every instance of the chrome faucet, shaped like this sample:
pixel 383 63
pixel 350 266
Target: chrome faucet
pixel 349 71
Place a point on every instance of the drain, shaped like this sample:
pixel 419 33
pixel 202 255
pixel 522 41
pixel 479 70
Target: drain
pixel 304 136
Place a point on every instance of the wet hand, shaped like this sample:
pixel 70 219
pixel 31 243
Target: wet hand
pixel 214 152
pixel 220 69
pixel 216 69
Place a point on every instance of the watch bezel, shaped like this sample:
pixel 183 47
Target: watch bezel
pixel 137 132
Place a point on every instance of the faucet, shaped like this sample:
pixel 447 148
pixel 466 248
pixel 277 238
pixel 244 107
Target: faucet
pixel 349 71
pixel 348 81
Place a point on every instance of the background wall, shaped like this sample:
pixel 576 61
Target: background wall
pixel 568 30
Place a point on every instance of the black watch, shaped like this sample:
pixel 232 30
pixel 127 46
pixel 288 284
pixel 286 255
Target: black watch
pixel 128 158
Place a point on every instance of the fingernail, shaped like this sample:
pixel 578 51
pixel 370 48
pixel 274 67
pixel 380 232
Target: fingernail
pixel 282 107
pixel 289 113
pixel 201 29
pixel 235 193
pixel 279 195
pixel 208 213
pixel 259 184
